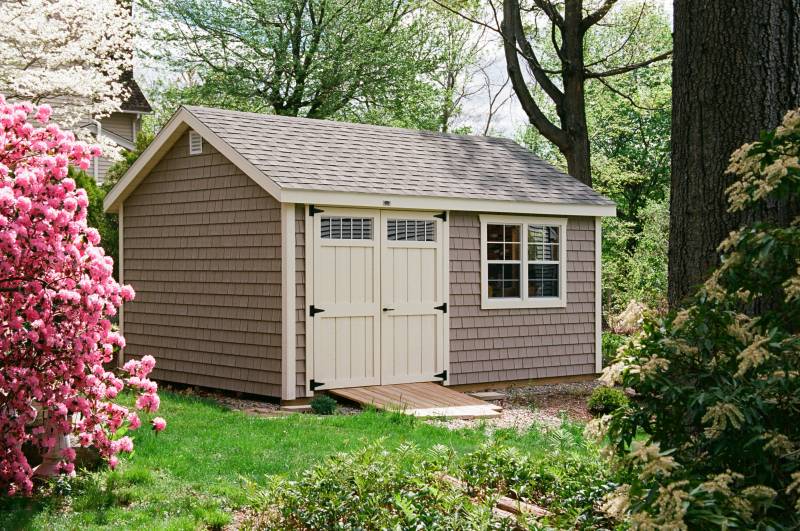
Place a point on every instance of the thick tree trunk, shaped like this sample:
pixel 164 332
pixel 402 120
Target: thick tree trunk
pixel 579 160
pixel 736 71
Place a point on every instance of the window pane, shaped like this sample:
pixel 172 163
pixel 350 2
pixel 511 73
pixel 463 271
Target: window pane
pixel 542 288
pixel 512 233
pixel 543 252
pixel 511 289
pixel 494 233
pixel 552 234
pixel 542 234
pixel 495 289
pixel 494 251
pixel 543 271
pixel 511 251
pixel 495 271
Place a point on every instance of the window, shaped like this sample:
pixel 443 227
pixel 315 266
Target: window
pixel 346 228
pixel 195 143
pixel 522 262
pixel 411 230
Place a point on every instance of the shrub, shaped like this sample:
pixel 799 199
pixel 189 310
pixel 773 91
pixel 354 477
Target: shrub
pixel 606 400
pixel 57 296
pixel 323 405
pixel 374 489
pixel 718 383
pixel 611 343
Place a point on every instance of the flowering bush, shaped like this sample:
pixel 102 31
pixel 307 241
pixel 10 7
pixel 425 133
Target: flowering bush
pixel 56 297
pixel 718 383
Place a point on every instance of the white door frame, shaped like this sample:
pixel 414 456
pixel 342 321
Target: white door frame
pixel 310 244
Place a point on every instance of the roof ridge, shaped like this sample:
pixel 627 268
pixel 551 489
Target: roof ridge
pixel 352 125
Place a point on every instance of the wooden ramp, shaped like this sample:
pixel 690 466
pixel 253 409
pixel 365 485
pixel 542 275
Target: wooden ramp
pixel 425 399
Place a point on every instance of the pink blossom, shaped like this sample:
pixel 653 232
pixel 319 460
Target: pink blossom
pixel 159 424
pixel 57 309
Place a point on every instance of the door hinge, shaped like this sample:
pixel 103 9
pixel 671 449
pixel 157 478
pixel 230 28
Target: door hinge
pixel 442 375
pixel 442 307
pixel 313 310
pixel 442 216
pixel 313 384
pixel 314 210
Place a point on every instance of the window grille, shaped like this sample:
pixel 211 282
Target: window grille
pixel 345 228
pixel 411 230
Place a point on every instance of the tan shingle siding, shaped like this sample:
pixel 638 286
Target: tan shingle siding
pixel 202 251
pixel 515 344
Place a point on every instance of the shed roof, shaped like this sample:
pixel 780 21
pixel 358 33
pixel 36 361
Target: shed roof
pixel 309 154
pixel 304 160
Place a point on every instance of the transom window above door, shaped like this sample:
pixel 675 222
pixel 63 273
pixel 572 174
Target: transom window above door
pixel 345 228
pixel 410 230
pixel 523 262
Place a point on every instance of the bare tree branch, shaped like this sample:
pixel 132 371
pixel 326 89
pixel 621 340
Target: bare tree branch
pixel 627 68
pixel 597 16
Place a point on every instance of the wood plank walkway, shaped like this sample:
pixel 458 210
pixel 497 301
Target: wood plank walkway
pixel 424 399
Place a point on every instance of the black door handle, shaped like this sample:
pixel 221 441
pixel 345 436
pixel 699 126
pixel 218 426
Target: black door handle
pixel 388 309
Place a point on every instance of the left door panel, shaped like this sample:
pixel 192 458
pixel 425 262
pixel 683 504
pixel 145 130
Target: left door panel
pixel 347 290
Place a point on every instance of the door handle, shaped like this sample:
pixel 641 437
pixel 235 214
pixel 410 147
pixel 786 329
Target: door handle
pixel 388 309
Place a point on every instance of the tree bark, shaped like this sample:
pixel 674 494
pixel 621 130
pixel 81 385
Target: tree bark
pixel 736 71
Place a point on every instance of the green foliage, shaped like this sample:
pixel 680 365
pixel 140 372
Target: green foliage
pixel 367 61
pixel 717 384
pixel 373 488
pixel 611 343
pixel 323 405
pixel 106 224
pixel 118 169
pixel 635 260
pixel 606 400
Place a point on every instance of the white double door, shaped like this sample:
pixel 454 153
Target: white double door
pixel 378 297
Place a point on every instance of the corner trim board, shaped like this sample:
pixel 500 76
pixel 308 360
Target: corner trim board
pixel 288 304
pixel 309 276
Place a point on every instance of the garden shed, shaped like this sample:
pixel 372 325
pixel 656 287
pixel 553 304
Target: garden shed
pixel 278 256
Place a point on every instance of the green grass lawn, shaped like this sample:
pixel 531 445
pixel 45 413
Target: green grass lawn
pixel 194 473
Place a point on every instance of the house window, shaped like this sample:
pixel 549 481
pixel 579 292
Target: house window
pixel 523 262
pixel 346 228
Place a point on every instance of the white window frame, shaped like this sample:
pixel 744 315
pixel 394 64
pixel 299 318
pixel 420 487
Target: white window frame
pixel 524 301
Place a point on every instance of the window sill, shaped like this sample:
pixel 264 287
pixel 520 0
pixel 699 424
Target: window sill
pixel 504 304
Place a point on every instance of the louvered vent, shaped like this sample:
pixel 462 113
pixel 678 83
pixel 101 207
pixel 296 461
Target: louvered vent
pixel 342 228
pixel 411 230
pixel 195 143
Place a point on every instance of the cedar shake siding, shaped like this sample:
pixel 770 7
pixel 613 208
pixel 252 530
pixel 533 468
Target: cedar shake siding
pixel 515 344
pixel 202 250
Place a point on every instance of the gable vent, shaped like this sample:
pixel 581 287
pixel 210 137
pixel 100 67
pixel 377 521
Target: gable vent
pixel 195 143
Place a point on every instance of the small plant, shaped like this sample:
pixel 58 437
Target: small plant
pixel 323 405
pixel 606 400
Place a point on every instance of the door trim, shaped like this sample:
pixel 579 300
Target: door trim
pixel 310 244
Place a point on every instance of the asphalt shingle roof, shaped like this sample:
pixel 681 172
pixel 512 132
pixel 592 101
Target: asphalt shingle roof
pixel 308 154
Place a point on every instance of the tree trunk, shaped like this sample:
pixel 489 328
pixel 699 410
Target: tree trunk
pixel 736 71
pixel 579 160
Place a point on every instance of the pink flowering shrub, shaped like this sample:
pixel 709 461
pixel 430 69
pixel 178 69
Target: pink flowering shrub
pixel 57 294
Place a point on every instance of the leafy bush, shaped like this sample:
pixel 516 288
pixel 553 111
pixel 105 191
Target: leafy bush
pixel 323 405
pixel 606 400
pixel 718 383
pixel 611 343
pixel 374 489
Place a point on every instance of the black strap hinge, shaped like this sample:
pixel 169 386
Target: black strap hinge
pixel 313 384
pixel 313 310
pixel 442 375
pixel 442 307
pixel 314 210
pixel 442 216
